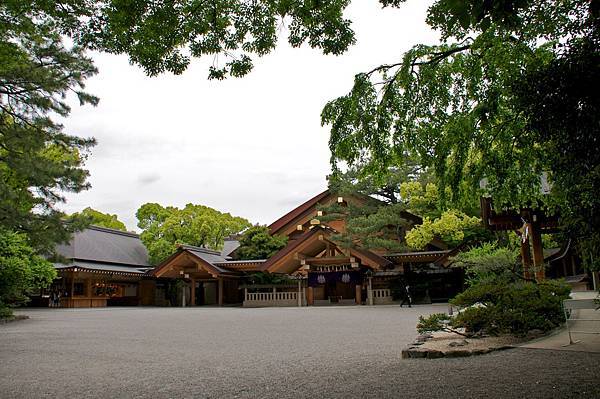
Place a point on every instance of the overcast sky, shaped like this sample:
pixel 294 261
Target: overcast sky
pixel 253 146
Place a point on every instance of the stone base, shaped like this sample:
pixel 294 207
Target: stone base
pixel 425 348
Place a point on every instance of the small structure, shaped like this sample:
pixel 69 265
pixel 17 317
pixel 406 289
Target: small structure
pixel 103 267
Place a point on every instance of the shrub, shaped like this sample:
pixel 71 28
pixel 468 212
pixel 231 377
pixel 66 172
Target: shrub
pixel 504 308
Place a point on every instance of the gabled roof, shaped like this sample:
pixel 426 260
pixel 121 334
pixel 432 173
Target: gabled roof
pixel 206 259
pixel 308 240
pixel 307 208
pixel 99 244
pixel 372 257
pixel 297 212
pixel 210 261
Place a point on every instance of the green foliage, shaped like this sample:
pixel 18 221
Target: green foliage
pixel 269 278
pixel 515 307
pixel 503 308
pixel 166 227
pixel 164 35
pixel 436 322
pixel 38 161
pixel 498 300
pixel 98 218
pixel 258 243
pixel 453 105
pixel 370 223
pixel 563 111
pixel 488 262
pixel 21 270
pixel 452 227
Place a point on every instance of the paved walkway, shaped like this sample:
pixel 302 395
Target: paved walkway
pixel 559 340
pixel 336 352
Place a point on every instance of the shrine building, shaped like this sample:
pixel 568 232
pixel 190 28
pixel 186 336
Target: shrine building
pixel 107 267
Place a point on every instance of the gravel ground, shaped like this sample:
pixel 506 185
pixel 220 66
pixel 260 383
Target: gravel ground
pixel 272 352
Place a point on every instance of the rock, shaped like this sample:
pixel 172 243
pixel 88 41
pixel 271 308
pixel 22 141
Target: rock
pixel 434 354
pixel 417 343
pixel 463 342
pixel 424 337
pixel 418 353
pixel 458 353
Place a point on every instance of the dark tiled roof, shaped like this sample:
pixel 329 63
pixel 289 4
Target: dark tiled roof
pixel 208 255
pixel 229 246
pixel 99 244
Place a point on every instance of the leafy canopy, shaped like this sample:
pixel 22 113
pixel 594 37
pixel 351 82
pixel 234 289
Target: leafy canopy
pixel 198 225
pixel 38 161
pixel 257 242
pixel 452 106
pixel 452 227
pixel 21 270
pixel 98 218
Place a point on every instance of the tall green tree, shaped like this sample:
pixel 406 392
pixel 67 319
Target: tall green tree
pixel 166 227
pixel 38 161
pixel 257 242
pixel 98 218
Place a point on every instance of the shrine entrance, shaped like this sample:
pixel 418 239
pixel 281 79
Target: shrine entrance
pixel 338 287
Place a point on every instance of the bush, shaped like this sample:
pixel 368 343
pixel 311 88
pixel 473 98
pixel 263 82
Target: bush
pixel 5 312
pixel 504 308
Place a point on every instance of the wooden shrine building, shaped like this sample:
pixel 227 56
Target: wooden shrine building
pixel 101 267
pixel 107 267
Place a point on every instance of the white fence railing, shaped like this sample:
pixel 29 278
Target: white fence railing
pixel 382 293
pixel 381 296
pixel 272 296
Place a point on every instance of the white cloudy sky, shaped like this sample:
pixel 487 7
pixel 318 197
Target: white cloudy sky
pixel 253 147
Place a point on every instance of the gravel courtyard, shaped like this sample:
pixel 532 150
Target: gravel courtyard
pixel 272 352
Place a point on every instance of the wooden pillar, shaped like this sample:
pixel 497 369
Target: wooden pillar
pixel 526 258
pixel 309 296
pixel 370 291
pixel 193 292
pixel 220 290
pixel 88 289
pixel 358 290
pixel 538 252
pixel 71 300
pixel 299 293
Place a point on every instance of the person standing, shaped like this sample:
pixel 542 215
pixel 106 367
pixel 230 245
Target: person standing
pixel 407 298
